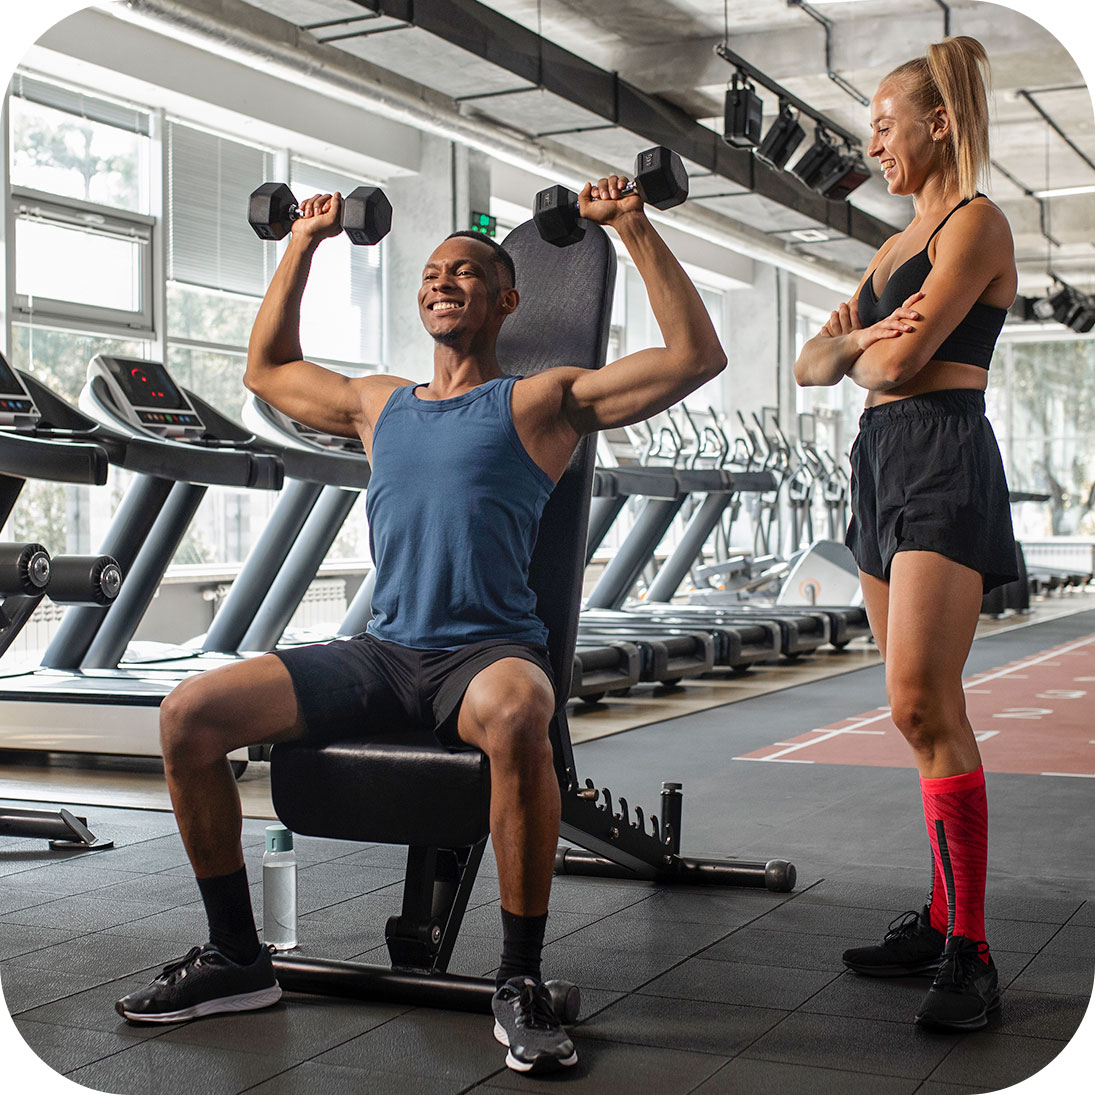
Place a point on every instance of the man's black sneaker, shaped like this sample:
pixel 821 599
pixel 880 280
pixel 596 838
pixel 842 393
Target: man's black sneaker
pixel 202 982
pixel 965 989
pixel 911 946
pixel 525 1021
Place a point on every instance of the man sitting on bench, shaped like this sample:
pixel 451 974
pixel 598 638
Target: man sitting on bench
pixel 461 470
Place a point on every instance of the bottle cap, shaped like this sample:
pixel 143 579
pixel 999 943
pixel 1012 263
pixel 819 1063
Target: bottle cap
pixel 278 839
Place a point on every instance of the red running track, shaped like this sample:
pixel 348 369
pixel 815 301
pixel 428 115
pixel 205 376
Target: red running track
pixel 1035 716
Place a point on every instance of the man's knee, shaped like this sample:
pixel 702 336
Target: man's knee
pixel 517 730
pixel 188 725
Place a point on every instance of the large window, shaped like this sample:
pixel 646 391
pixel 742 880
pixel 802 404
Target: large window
pixel 1041 402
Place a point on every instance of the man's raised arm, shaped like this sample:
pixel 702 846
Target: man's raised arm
pixel 276 371
pixel 643 383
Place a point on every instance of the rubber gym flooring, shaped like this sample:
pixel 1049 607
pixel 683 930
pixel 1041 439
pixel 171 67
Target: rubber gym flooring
pixel 698 990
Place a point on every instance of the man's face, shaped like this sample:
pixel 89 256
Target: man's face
pixel 460 291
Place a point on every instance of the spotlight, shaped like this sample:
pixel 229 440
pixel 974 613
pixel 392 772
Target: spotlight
pixel 1022 309
pixel 782 138
pixel 1082 317
pixel 1056 305
pixel 744 114
pixel 849 173
pixel 818 161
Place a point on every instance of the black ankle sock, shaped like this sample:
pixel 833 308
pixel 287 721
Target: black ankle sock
pixel 231 921
pixel 522 942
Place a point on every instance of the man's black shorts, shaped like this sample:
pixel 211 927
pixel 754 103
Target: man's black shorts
pixel 349 688
pixel 927 476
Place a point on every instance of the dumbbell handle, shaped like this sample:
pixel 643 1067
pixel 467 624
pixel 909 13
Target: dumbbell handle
pixel 625 191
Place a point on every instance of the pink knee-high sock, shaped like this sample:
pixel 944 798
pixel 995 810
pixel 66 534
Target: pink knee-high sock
pixel 956 813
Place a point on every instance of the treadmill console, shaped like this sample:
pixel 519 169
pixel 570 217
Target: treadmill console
pixel 257 414
pixel 17 409
pixel 144 393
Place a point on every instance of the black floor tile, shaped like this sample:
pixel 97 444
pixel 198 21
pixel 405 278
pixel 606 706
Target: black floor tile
pixel 1057 973
pixel 611 1068
pixel 171 1069
pixel 444 1045
pixel 1024 936
pixel 729 907
pixel 1085 914
pixel 865 1045
pixel 112 954
pixel 742 1076
pixel 1077 941
pixel 332 1080
pixel 93 1009
pixel 590 895
pixel 14 899
pixel 67 1048
pixel 90 872
pixel 756 945
pixel 647 936
pixel 818 919
pixel 25 988
pixel 930 1087
pixel 298 1028
pixel 185 921
pixel 88 912
pixel 995 1059
pixel 740 983
pixel 702 1026
pixel 894 999
pixel 18 939
pixel 602 968
pixel 1039 1015
pixel 860 894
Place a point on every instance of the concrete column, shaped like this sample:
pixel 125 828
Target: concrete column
pixel 751 341
pixel 423 207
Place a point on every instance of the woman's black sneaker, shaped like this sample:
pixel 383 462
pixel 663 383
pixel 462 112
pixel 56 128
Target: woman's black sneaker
pixel 965 989
pixel 203 982
pixel 911 946
pixel 525 1021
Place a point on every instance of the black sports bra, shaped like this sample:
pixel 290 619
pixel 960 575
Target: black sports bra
pixel 971 342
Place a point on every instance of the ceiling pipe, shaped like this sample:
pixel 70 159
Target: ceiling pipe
pixel 280 48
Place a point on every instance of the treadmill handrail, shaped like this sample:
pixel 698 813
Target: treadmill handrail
pixel 27 457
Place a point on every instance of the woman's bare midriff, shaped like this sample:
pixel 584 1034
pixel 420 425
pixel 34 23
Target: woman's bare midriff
pixel 936 376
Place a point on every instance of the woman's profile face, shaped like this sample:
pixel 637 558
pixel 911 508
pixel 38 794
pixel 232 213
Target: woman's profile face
pixel 901 140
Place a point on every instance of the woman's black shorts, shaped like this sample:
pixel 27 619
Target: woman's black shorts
pixel 351 687
pixel 927 476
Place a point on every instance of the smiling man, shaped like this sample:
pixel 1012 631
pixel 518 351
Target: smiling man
pixel 461 470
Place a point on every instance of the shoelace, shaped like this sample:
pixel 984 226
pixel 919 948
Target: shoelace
pixel 535 1009
pixel 959 965
pixel 905 924
pixel 169 972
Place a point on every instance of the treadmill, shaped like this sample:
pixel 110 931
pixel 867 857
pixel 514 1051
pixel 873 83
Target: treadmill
pixel 85 697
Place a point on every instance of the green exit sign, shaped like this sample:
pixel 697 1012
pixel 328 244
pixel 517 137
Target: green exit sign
pixel 484 223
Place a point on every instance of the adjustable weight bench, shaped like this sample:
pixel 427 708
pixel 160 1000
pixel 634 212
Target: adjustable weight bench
pixel 399 788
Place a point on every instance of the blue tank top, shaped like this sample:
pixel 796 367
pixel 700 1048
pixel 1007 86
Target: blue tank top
pixel 453 504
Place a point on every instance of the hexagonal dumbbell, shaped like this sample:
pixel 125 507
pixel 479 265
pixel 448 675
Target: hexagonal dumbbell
pixel 660 180
pixel 366 213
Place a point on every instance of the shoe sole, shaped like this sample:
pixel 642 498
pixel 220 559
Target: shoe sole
pixel 928 969
pixel 248 1001
pixel 542 1064
pixel 978 1022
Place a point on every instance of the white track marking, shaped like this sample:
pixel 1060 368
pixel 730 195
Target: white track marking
pixel 984 735
pixel 1073 775
pixel 1031 661
pixel 824 735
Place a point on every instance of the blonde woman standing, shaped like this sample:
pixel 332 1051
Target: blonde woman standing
pixel 931 526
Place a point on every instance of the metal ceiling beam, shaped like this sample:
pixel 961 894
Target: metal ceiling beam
pixel 492 37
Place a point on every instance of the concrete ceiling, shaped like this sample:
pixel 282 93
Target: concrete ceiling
pixel 666 48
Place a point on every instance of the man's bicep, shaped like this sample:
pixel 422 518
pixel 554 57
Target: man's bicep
pixel 312 395
pixel 625 391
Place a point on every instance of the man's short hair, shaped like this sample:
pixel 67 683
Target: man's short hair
pixel 501 255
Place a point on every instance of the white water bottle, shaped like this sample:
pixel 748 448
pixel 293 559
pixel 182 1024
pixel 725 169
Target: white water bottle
pixel 279 889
